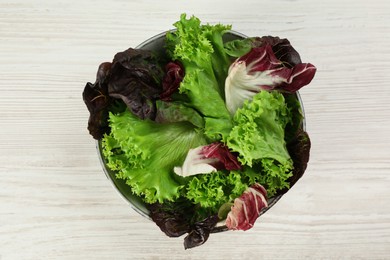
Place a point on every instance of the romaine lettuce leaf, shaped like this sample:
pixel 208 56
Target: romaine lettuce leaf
pixel 200 50
pixel 176 111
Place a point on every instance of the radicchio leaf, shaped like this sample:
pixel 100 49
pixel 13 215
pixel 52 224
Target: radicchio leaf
pixel 261 70
pixel 207 159
pixel 281 48
pixel 96 99
pixel 173 77
pixel 247 208
pixel 226 159
pixel 200 232
pixel 136 79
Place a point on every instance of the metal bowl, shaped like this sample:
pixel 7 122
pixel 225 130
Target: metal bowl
pixel 156 44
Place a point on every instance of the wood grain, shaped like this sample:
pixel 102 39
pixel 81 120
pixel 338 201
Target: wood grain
pixel 55 202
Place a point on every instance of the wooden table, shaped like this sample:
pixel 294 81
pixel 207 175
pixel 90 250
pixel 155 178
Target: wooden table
pixel 56 203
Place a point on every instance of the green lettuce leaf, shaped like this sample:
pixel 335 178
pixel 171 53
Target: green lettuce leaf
pixel 274 176
pixel 144 153
pixel 239 47
pixel 258 136
pixel 258 130
pixel 213 190
pixel 201 51
pixel 172 112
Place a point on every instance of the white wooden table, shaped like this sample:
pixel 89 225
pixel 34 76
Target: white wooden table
pixel 56 203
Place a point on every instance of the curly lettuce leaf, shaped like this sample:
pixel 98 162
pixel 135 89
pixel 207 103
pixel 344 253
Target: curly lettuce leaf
pixel 258 130
pixel 275 175
pixel 144 153
pixel 258 136
pixel 212 190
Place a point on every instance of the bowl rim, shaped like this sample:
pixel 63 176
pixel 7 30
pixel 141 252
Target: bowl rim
pixel 145 212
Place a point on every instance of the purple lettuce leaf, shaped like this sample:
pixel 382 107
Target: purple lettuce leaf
pixel 173 218
pixel 135 78
pixel 200 232
pixel 180 217
pixel 299 150
pixel 97 100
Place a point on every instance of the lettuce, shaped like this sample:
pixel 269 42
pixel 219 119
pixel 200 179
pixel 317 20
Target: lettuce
pixel 96 99
pixel 208 138
pixel 206 159
pixel 260 70
pixel 247 208
pixel 212 190
pixel 200 50
pixel 258 130
pixel 173 112
pixel 239 47
pixel 180 217
pixel 133 77
pixel 259 139
pixel 144 153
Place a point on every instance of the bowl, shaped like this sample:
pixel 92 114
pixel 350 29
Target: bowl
pixel 156 44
